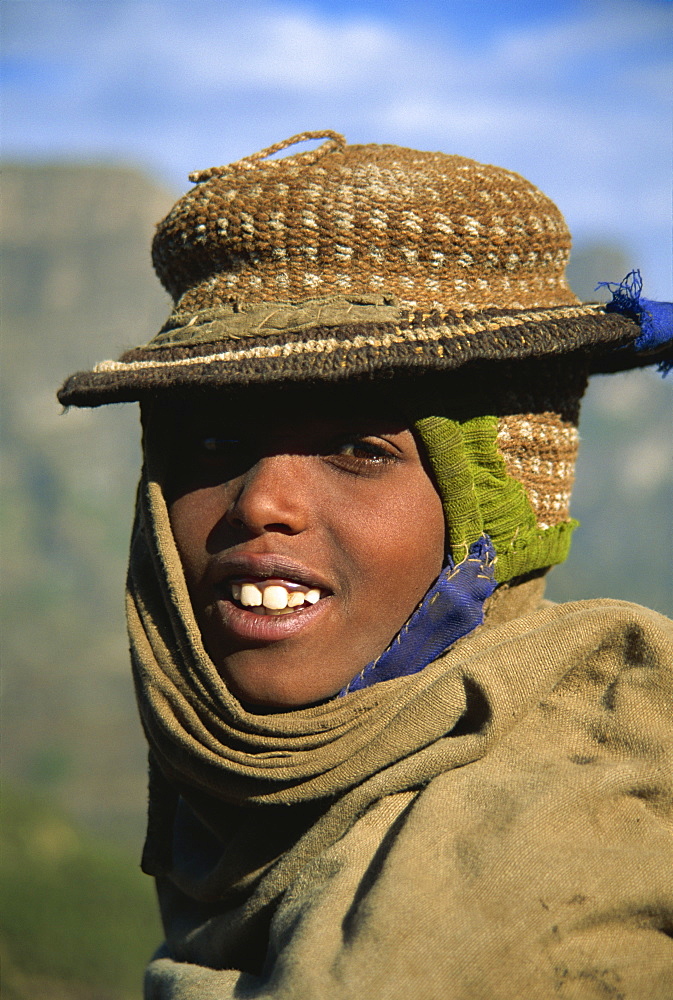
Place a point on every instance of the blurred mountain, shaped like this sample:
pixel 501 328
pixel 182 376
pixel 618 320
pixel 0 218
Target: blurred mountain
pixel 78 287
pixel 593 262
pixel 623 495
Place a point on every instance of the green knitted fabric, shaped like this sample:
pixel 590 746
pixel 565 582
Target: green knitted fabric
pixel 479 496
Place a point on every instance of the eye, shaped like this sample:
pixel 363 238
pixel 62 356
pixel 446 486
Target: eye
pixel 359 453
pixel 213 446
pixel 359 448
pixel 220 455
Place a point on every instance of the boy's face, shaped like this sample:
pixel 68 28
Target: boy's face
pixel 314 500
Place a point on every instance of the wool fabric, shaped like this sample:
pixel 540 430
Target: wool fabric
pixel 497 825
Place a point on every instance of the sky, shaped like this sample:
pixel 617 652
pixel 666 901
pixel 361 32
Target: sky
pixel 573 94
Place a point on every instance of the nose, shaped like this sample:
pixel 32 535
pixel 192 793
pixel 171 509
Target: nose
pixel 271 497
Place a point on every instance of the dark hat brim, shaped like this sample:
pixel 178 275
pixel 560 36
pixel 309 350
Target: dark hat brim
pixel 210 354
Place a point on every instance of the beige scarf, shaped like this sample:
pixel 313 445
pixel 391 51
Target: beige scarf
pixel 205 740
pixel 249 813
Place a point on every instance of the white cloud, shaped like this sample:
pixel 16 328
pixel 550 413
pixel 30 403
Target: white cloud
pixel 300 52
pixel 577 103
pixel 278 45
pixel 465 119
pixel 600 29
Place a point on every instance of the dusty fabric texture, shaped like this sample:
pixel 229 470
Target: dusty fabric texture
pixel 498 825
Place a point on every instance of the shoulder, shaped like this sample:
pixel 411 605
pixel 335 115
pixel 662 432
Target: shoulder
pixel 620 624
pixel 591 746
pixel 582 681
pixel 580 648
pixel 614 654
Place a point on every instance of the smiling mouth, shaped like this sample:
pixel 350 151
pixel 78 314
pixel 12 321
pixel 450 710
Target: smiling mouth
pixel 271 596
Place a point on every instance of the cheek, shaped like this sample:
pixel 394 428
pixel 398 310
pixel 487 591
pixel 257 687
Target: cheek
pixel 194 516
pixel 400 544
pixel 416 542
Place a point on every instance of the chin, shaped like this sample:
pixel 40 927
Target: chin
pixel 267 698
pixel 263 686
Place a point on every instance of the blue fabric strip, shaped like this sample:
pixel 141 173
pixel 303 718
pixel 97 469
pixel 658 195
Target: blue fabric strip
pixel 655 318
pixel 452 607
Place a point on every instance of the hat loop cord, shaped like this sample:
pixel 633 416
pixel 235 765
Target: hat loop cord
pixel 334 142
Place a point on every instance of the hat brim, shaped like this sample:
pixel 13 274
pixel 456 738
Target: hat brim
pixel 210 352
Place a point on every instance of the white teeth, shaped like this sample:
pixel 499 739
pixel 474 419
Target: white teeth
pixel 275 597
pixel 251 596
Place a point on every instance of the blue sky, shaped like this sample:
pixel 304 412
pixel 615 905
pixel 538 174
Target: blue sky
pixel 574 94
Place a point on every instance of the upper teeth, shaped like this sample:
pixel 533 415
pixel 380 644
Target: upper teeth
pixel 273 596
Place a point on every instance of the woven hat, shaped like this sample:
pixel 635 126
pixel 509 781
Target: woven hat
pixel 356 261
pixel 361 262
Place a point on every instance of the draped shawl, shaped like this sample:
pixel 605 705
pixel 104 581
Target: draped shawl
pixel 422 838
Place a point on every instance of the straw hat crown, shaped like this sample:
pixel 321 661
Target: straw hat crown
pixel 431 230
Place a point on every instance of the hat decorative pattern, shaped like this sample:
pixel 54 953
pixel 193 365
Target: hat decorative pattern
pixel 353 260
pixel 435 231
pixel 540 451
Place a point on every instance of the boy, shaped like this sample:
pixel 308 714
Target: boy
pixel 380 764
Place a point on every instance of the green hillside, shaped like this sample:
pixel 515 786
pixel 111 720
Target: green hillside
pixel 78 918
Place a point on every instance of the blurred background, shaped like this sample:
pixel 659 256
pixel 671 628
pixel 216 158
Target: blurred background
pixel 106 108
